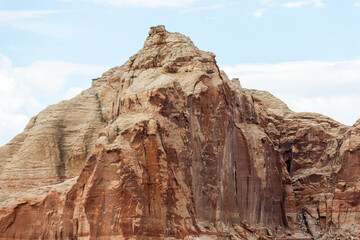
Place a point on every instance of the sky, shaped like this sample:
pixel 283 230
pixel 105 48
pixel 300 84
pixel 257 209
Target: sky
pixel 306 52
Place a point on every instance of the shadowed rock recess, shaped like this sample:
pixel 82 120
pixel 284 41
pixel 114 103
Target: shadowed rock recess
pixel 167 147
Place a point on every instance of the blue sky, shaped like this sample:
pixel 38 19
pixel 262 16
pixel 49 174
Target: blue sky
pixel 306 52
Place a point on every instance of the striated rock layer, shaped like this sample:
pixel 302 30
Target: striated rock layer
pixel 167 147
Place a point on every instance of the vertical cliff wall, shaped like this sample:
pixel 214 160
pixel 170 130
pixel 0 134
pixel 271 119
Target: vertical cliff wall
pixel 167 147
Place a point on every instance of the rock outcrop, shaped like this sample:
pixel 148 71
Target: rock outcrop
pixel 167 147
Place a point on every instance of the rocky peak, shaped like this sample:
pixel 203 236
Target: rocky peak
pixel 169 50
pixel 159 35
pixel 166 59
pixel 157 29
pixel 166 53
pixel 167 147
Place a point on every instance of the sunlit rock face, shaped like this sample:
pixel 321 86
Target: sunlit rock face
pixel 167 147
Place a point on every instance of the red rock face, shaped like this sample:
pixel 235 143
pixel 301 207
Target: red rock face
pixel 183 153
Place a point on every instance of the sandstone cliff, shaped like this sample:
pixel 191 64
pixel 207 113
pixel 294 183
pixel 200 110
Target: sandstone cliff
pixel 167 147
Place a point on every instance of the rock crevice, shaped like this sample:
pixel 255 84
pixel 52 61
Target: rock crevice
pixel 166 146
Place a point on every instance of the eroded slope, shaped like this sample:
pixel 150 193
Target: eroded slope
pixel 167 146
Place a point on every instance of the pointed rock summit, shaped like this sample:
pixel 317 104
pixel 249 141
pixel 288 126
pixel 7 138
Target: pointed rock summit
pixel 166 146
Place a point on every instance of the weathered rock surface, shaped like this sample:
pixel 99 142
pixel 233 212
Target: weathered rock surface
pixel 167 147
pixel 53 147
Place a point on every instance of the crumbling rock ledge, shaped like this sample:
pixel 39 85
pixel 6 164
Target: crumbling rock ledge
pixel 167 147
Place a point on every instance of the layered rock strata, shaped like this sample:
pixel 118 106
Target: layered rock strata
pixel 167 147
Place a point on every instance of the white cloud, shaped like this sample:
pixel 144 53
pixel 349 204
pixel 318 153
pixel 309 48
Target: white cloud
pixel 51 76
pixel 356 4
pixel 211 18
pixel 8 16
pixel 15 48
pixel 330 88
pixel 5 62
pixel 203 8
pixel 268 3
pixel 26 90
pixel 259 13
pixel 297 4
pixel 147 3
pixel 342 108
pixel 72 92
pixel 11 124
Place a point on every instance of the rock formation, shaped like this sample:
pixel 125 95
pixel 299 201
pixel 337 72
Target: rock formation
pixel 167 147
